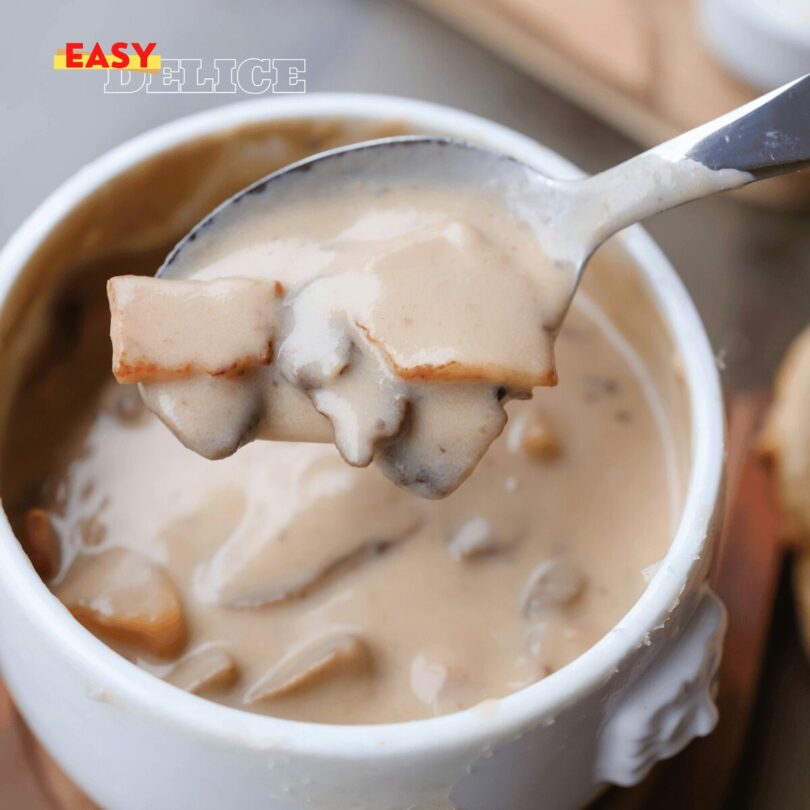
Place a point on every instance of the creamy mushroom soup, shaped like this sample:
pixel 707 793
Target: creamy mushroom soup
pixel 397 319
pixel 284 581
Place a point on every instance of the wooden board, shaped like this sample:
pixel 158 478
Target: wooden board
pixel 745 575
pixel 640 65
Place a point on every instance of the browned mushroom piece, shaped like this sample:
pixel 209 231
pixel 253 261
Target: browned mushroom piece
pixel 336 654
pixel 121 595
pixel 786 438
pixel 202 670
pixel 554 583
pixel 539 439
pixel 325 535
pixel 156 326
pixel 41 542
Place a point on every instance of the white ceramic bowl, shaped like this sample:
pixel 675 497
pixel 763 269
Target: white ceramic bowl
pixel 640 694
pixel 764 42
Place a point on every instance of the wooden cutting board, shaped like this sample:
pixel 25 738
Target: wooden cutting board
pixel 745 575
pixel 640 65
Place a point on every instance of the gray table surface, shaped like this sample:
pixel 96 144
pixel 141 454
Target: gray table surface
pixel 747 269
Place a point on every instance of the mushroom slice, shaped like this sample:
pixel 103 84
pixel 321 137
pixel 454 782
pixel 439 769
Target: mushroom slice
pixel 204 669
pixel 448 429
pixel 340 516
pixel 337 654
pixel 41 542
pixel 157 324
pixel 539 439
pixel 435 317
pixel 123 596
pixel 213 416
pixel 554 583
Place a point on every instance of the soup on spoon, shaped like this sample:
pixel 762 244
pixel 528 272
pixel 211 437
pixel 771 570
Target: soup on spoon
pixel 396 319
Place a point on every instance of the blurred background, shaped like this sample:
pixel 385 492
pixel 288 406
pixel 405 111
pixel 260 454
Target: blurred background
pixel 595 80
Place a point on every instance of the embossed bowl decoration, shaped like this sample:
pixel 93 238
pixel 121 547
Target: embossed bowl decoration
pixel 130 740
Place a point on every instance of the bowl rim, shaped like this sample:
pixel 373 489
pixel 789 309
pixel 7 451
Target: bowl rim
pixel 142 692
pixel 777 23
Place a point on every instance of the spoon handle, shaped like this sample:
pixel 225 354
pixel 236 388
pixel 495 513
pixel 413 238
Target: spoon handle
pixel 768 136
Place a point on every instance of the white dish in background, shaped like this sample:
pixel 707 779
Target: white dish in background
pixel 764 42
pixel 641 693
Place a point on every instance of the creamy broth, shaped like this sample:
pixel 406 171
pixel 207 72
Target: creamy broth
pixel 295 585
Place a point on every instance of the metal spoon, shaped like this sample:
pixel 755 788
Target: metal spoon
pixel 769 136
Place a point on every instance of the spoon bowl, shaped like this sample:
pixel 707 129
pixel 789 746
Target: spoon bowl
pixel 540 201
